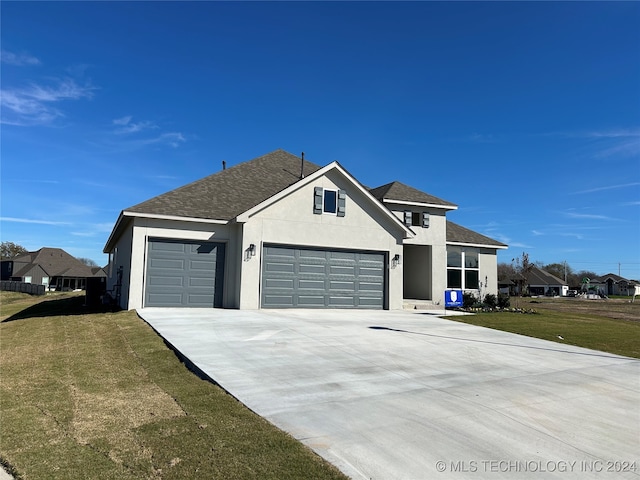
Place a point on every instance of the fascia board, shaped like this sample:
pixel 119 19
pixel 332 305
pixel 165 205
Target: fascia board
pixel 480 245
pixel 420 204
pixel 174 217
pixel 244 217
pixel 125 215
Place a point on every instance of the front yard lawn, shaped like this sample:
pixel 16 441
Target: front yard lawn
pixel 100 396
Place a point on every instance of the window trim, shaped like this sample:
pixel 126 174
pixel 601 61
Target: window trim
pixel 463 269
pixel 324 201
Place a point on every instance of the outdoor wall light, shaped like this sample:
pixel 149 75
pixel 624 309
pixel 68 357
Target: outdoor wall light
pixel 396 260
pixel 252 250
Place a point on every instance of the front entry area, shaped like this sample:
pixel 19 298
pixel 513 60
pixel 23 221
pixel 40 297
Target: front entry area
pixel 417 279
pixel 184 273
pixel 296 277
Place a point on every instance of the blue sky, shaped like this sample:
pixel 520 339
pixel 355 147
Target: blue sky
pixel 526 115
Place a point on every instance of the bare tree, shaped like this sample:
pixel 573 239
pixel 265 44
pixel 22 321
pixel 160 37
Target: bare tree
pixel 11 250
pixel 88 262
pixel 522 266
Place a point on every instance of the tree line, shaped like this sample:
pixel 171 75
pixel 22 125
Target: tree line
pixel 521 266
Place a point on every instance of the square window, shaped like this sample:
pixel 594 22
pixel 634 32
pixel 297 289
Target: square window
pixel 471 279
pixel 330 201
pixel 454 278
pixel 416 219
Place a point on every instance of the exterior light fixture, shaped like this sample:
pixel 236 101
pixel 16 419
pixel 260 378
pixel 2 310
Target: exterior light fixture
pixel 252 250
pixel 396 260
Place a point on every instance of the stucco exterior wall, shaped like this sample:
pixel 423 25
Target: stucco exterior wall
pixel 436 237
pixel 291 221
pixel 137 236
pixel 488 263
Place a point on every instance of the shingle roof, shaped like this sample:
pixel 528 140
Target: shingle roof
pixel 228 193
pixel 402 192
pixel 459 234
pixel 536 276
pixel 55 262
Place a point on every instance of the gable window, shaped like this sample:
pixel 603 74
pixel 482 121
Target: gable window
pixel 332 202
pixel 463 268
pixel 416 219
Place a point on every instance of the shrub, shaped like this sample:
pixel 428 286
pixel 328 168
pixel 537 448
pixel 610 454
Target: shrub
pixel 468 300
pixel 490 300
pixel 503 301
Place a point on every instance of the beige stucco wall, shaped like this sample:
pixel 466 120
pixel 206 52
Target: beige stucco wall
pixel 436 237
pixel 291 221
pixel 488 263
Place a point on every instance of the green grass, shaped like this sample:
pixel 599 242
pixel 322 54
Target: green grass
pixel 597 332
pixel 100 396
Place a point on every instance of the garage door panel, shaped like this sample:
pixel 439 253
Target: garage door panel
pixel 311 301
pixel 311 284
pixel 286 283
pixel 319 278
pixel 184 273
pixel 166 281
pixel 166 263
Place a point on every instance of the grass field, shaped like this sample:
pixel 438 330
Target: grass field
pixel 607 325
pixel 100 396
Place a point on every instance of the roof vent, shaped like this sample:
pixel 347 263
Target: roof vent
pixel 302 166
pixel 224 165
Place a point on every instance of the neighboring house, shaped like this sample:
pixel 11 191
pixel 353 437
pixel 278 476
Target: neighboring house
pixel 52 267
pixel 541 282
pixel 279 232
pixel 612 284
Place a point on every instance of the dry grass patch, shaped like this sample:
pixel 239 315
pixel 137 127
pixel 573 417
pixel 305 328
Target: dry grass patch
pixel 100 396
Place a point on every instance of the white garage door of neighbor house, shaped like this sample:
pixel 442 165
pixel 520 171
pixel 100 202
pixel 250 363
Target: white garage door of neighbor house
pixel 184 274
pixel 294 277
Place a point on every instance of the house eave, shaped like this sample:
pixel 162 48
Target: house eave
pixel 125 216
pixel 420 204
pixel 478 245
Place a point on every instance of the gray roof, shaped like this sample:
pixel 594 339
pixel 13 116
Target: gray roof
pixel 54 261
pixel 459 234
pixel 402 192
pixel 537 276
pixel 228 193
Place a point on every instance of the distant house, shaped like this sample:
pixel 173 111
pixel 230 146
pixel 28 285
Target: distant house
pixel 52 267
pixel 541 282
pixel 612 284
pixel 535 282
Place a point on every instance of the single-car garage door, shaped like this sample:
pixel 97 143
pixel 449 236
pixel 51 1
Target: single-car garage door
pixel 184 274
pixel 295 277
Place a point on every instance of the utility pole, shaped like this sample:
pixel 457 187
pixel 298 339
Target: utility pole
pixel 618 268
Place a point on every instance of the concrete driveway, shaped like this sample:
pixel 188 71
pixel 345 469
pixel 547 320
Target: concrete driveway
pixel 406 395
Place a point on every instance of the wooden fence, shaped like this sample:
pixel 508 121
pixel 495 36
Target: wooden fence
pixel 22 287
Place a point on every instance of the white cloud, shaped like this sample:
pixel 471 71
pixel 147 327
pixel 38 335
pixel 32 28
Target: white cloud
pixel 31 220
pixel 588 216
pixel 609 187
pixel 35 105
pixel 18 59
pixel 537 233
pixel 127 126
pixel 122 121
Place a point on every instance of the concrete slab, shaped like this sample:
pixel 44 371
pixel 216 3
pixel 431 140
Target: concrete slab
pixel 408 395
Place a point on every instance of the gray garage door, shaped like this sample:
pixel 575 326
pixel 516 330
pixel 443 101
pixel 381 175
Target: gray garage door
pixel 184 274
pixel 313 278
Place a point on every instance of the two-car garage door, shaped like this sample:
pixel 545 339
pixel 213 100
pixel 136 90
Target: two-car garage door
pixel 322 278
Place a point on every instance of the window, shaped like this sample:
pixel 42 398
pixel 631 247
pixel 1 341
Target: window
pixel 416 219
pixel 330 202
pixel 27 279
pixel 463 269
